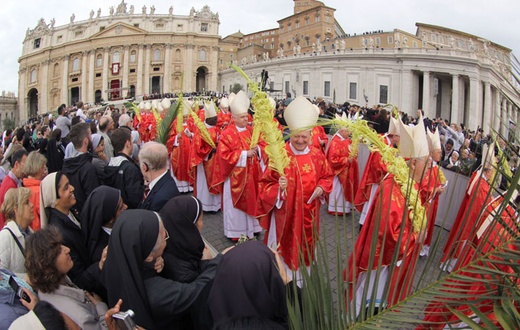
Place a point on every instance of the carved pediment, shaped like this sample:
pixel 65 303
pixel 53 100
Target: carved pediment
pixel 207 14
pixel 41 29
pixel 118 29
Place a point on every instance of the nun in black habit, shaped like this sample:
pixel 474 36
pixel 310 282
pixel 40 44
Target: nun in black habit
pixel 138 239
pixel 184 253
pixel 99 215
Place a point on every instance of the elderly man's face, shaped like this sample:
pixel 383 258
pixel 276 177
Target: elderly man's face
pixel 241 120
pixel 301 140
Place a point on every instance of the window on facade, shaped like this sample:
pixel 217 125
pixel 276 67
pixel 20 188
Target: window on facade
pixel 132 70
pixel 177 54
pixel 157 55
pixel 352 92
pixel 287 85
pixel 296 25
pixel 305 88
pixel 317 18
pixel 99 60
pixel 36 43
pixel 390 40
pixel 308 42
pixel 33 75
pixel 306 21
pixel 204 27
pixel 115 57
pixel 136 25
pixel 179 27
pixel 383 94
pixel 101 28
pixel 133 55
pixel 56 71
pixel 326 88
pixel 462 44
pixel 59 38
pixel 78 33
pixel 75 64
pixel 202 55
pixel 98 75
pixel 159 25
pixel 378 41
pixel 434 38
pixel 441 39
pixel 75 79
pixel 414 44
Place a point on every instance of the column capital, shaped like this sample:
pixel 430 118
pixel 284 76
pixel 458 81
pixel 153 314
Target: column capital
pixel 106 49
pixel 126 47
pixel 66 57
pixel 92 52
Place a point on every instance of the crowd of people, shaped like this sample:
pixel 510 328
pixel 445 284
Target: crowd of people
pixel 99 217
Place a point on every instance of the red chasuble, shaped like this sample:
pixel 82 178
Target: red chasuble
pixel 180 159
pixel 491 236
pixel 244 180
pixel 428 185
pixel 374 172
pixel 296 219
pixel 384 221
pixel 318 134
pixel 346 169
pixel 467 216
pixel 201 149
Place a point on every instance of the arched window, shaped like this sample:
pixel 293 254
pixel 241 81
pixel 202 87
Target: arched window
pixel 157 55
pixel 99 60
pixel 115 57
pixel 132 56
pixel 56 70
pixel 33 75
pixel 75 64
pixel 202 55
pixel 177 54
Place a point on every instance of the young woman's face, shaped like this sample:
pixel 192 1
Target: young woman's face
pixel 66 193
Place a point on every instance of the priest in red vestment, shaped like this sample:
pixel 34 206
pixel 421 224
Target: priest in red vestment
pixel 180 157
pixel 289 205
pixel 390 224
pixel 237 168
pixel 202 161
pixel 494 232
pixel 374 172
pixel 477 195
pixel 346 172
pixel 224 115
pixel 432 186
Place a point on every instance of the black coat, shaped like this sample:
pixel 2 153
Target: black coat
pixel 82 176
pixel 164 190
pixel 84 274
pixel 123 174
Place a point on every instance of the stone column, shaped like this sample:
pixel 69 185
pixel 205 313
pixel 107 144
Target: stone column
pixel 140 57
pixel 212 82
pixel 475 111
pixel 503 116
pixel 84 89
pixel 455 99
pixel 106 60
pixel 427 95
pixel 505 126
pixel 91 97
pixel 496 113
pixel 126 60
pixel 167 66
pixel 43 98
pixel 147 65
pixel 22 93
pixel 65 81
pixel 189 72
pixel 517 119
pixel 488 106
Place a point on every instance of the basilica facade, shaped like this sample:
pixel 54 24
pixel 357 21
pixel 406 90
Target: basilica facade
pixel 126 53
pixel 135 52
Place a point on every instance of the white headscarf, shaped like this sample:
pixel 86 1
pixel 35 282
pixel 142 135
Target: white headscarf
pixel 48 196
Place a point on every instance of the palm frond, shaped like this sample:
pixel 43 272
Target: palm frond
pixel 166 125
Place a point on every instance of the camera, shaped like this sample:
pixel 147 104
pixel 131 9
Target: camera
pixel 125 320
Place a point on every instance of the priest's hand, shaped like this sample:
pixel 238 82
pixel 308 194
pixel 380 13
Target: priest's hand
pixel 253 152
pixel 318 191
pixel 283 182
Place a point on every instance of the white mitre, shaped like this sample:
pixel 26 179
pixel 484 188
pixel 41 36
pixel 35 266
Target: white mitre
pixel 240 104
pixel 434 140
pixel 393 127
pixel 209 110
pixel 413 143
pixel 300 114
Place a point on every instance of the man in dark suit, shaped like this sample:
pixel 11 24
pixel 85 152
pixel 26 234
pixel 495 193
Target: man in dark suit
pixel 153 161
